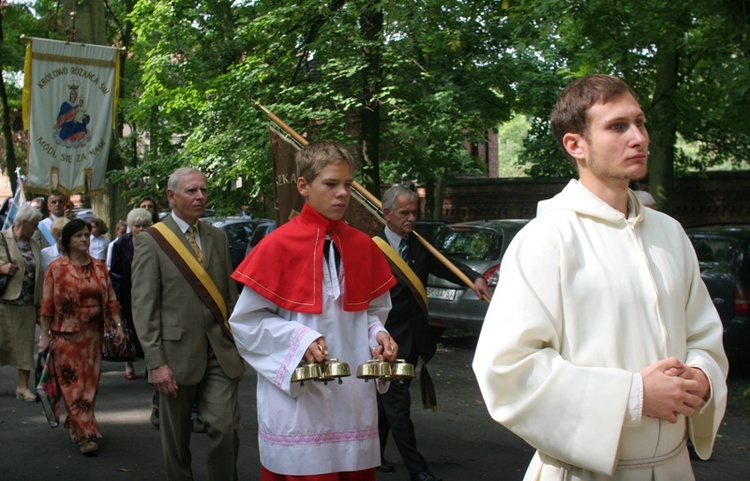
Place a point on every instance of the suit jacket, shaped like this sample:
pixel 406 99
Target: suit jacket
pixel 406 322
pixel 13 290
pixel 174 326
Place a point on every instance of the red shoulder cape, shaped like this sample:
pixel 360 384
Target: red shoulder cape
pixel 285 267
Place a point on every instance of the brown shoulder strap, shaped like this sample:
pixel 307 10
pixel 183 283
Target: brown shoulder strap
pixel 404 273
pixel 194 273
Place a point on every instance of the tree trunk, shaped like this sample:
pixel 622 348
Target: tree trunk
pixel 10 153
pixel 439 196
pixel 89 21
pixel 89 28
pixel 663 129
pixel 429 199
pixel 371 24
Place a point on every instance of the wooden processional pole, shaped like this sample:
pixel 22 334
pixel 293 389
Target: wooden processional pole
pixel 374 200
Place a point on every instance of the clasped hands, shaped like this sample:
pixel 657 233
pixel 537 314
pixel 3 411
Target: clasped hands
pixel 387 349
pixel 671 388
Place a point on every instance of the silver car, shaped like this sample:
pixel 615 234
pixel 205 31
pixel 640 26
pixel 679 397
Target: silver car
pixel 480 245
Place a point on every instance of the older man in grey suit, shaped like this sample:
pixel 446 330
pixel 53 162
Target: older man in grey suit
pixel 189 352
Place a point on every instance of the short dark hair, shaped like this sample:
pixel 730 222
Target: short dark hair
pixel 147 198
pixel 58 194
pixel 100 224
pixel 570 114
pixel 71 228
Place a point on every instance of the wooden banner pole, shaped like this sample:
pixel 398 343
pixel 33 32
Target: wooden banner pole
pixel 375 201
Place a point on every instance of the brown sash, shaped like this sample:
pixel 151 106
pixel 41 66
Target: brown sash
pixel 405 273
pixel 194 273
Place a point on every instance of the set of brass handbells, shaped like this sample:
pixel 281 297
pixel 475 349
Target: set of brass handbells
pixel 387 371
pixel 334 369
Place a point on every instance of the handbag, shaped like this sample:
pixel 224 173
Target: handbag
pixel 49 391
pixel 125 352
pixel 41 359
pixel 5 278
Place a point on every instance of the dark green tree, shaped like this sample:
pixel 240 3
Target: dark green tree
pixel 16 20
pixel 403 85
pixel 407 85
pixel 686 60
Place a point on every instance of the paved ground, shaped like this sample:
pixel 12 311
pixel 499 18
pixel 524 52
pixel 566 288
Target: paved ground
pixel 460 441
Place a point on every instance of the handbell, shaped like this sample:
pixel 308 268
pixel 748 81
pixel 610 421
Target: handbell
pixel 336 369
pixel 307 371
pixel 373 369
pixel 400 369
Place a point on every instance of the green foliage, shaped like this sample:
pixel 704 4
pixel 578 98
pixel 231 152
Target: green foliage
pixel 440 73
pixel 511 137
pixel 565 39
pixel 196 80
pixel 17 20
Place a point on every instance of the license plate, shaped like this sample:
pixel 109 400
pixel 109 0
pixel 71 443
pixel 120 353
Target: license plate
pixel 442 294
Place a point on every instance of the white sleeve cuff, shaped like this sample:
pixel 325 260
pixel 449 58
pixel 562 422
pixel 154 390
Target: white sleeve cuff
pixel 707 401
pixel 635 402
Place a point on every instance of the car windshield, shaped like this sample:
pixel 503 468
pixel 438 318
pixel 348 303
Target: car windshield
pixel 239 231
pixel 715 254
pixel 467 243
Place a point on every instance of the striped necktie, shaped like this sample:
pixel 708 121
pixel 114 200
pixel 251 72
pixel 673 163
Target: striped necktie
pixel 403 248
pixel 193 244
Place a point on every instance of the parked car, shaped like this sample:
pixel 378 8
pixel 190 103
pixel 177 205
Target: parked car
pixel 83 214
pixel 480 245
pixel 724 257
pixel 263 229
pixel 427 228
pixel 238 230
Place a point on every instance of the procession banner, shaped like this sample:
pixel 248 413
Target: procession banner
pixel 70 99
pixel 288 202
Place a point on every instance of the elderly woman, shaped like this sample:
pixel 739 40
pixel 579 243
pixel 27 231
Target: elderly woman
pixel 78 304
pixel 54 251
pixel 20 257
pixel 119 273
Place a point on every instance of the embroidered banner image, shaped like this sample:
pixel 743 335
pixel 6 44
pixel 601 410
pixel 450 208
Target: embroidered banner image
pixel 70 96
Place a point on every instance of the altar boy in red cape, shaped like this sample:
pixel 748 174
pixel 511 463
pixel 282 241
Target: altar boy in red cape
pixel 316 288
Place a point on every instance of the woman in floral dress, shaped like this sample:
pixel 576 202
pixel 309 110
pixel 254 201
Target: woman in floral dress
pixel 78 303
